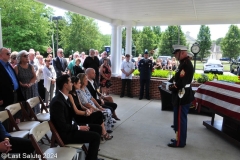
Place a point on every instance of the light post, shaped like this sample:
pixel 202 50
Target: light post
pixel 1 41
pixel 57 18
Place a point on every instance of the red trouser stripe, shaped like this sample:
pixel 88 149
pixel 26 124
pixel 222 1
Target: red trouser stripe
pixel 179 125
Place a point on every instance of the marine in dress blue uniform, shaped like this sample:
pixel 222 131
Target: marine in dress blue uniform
pixel 145 67
pixel 182 95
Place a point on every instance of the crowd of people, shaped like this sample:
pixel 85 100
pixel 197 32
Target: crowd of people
pixel 81 87
pixel 75 83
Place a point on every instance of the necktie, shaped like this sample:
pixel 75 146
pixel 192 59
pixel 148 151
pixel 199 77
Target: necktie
pixel 69 103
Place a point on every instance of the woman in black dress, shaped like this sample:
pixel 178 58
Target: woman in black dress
pixel 82 114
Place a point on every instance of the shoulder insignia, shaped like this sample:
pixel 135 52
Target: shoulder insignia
pixel 182 73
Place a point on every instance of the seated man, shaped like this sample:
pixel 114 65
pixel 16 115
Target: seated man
pixel 61 115
pixel 9 144
pixel 105 102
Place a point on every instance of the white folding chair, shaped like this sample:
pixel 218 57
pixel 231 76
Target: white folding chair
pixel 26 125
pixel 31 103
pixel 17 133
pixel 62 153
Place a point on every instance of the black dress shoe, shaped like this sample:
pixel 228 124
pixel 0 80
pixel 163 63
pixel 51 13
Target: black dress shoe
pixel 173 140
pixel 148 98
pixel 172 126
pixel 174 145
pixel 121 96
pixel 109 131
pixel 130 96
pixel 140 98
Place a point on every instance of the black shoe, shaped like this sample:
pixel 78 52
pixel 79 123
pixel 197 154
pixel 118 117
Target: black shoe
pixel 121 96
pixel 172 126
pixel 130 96
pixel 140 98
pixel 148 98
pixel 174 145
pixel 173 140
pixel 109 131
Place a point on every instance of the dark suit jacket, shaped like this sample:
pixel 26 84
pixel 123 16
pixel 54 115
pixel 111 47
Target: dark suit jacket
pixel 7 88
pixel 92 90
pixel 59 68
pixel 61 115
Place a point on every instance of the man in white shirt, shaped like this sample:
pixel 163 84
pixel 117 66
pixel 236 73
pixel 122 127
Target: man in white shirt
pixel 127 69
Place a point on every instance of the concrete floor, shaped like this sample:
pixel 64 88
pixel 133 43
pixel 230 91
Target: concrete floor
pixel 144 132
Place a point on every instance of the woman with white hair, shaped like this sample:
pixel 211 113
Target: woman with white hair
pixel 27 77
pixel 49 76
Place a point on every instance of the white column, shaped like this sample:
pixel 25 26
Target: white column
pixel 114 51
pixel 128 49
pixel 119 52
pixel 1 41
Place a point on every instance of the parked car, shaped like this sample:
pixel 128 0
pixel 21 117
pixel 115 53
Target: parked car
pixel 225 59
pixel 234 66
pixel 213 66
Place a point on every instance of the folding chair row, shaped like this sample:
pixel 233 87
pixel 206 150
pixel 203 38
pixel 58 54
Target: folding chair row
pixel 63 153
pixel 21 134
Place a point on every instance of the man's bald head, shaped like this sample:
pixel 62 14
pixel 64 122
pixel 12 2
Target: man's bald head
pixel 4 54
pixel 90 72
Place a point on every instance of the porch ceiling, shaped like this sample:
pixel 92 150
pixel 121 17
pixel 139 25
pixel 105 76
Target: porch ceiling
pixel 155 12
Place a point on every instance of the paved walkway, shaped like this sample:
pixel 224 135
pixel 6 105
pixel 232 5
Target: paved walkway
pixel 144 132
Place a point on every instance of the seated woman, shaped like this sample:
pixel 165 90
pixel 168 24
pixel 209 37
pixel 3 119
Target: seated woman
pixel 169 64
pixel 84 115
pixel 158 64
pixel 174 63
pixel 89 102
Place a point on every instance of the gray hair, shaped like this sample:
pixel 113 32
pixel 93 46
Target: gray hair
pixel 19 55
pixel 91 50
pixel 75 54
pixel 88 70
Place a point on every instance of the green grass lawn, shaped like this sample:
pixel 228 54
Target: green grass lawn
pixel 199 65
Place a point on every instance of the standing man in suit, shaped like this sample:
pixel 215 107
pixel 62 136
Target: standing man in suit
pixel 145 67
pixel 92 61
pixel 10 91
pixel 60 65
pixel 62 114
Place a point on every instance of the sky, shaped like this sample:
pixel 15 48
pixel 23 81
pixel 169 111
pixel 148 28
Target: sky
pixel 217 31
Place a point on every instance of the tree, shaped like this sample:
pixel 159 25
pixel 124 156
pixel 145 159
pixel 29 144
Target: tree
pixel 25 25
pixel 218 41
pixel 104 40
pixel 230 44
pixel 80 34
pixel 169 38
pixel 204 40
pixel 146 40
pixel 157 32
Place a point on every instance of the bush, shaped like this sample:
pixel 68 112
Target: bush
pixel 201 78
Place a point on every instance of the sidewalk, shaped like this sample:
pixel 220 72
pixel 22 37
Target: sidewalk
pixel 144 132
